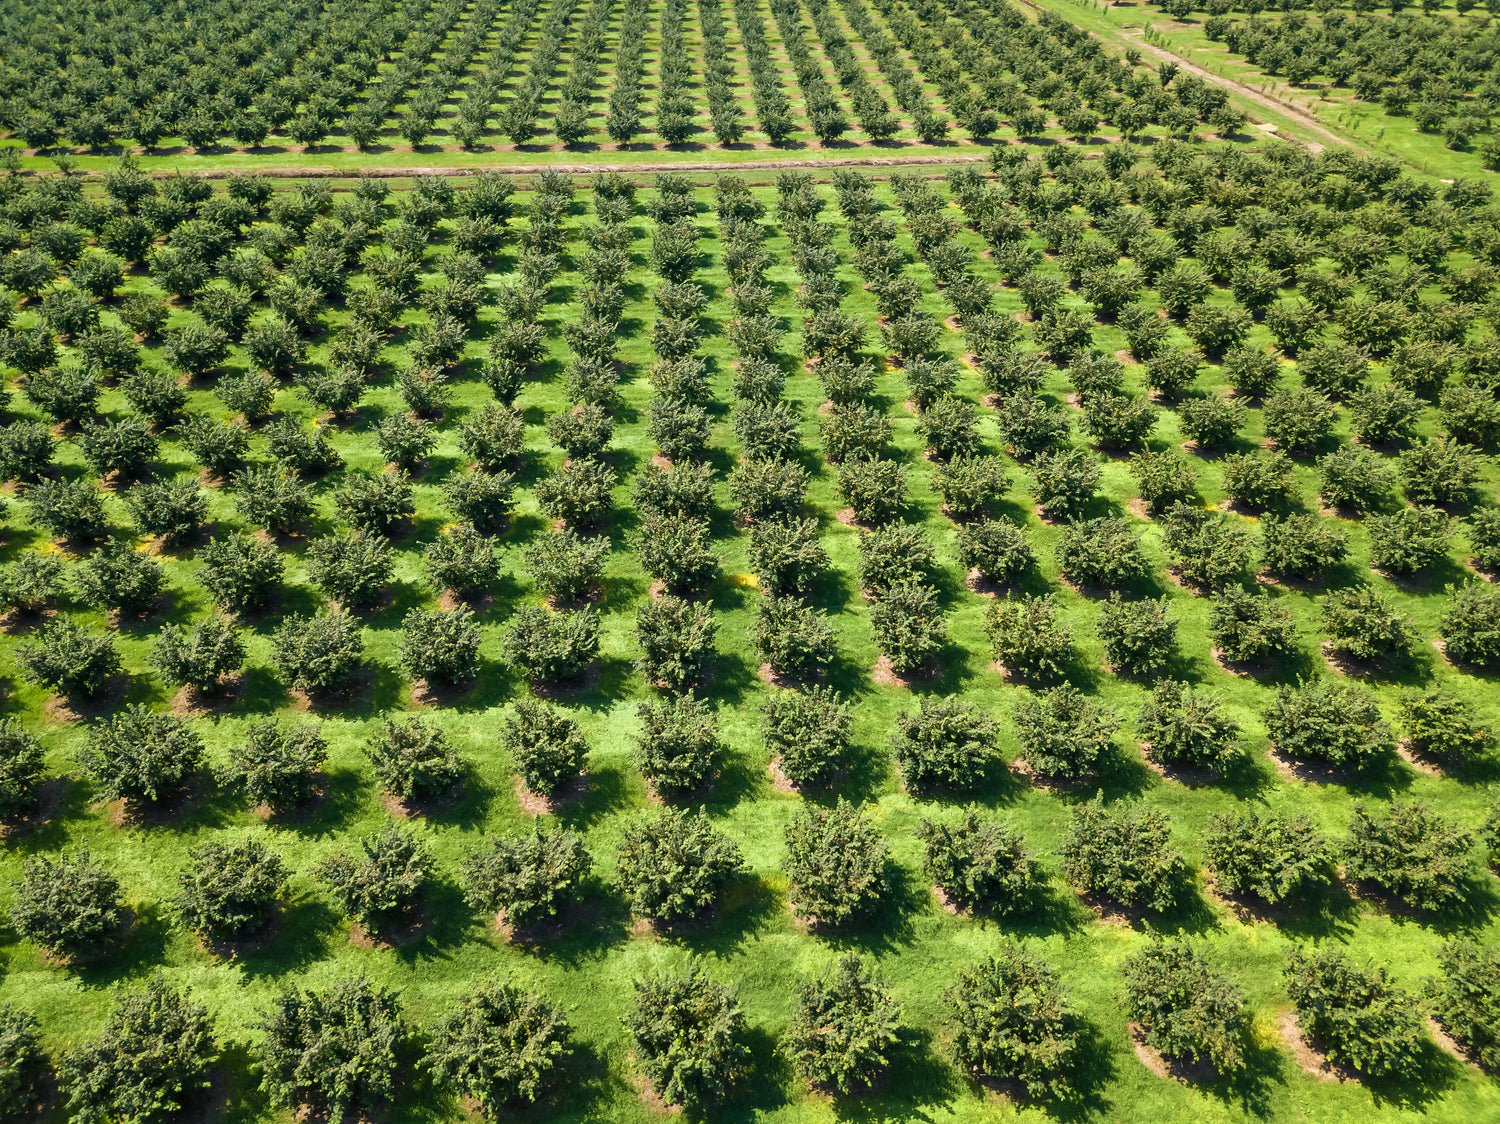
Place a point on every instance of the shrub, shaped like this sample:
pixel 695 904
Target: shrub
pixel 301 449
pixel 1336 369
pixel 1408 540
pixel 1251 371
pixel 843 1026
pixel 786 555
pixel 946 742
pixel 483 499
pixel 675 865
pixel 338 1050
pixel 67 509
pixel 117 576
pixel 891 555
pixel 1260 481
pixel 1208 550
pixel 1117 421
pixel 547 745
pixel 684 491
pixel 155 1052
pixel 763 489
pixel 218 446
pixel 23 1064
pixel 1216 328
pixel 318 653
pixel 678 747
pixel 138 755
pixel 1330 722
pixel 1187 728
pixel 378 890
pixel 1101 552
pixel 1300 419
pixel 970 484
pixel 26 450
pixel 1164 477
pixel 229 891
pixel 69 659
pixel 1484 538
pixel 1302 545
pixel 793 638
pixel 1464 1001
pixel 529 877
pixel 462 560
pixel 240 571
pixel 689 1038
pixel 277 765
pixel 1439 723
pixel 1138 636
pixel 269 498
pixel 413 760
pixel 21 764
pixel 1412 853
pixel 439 646
pixel 1063 732
pixel 70 907
pixel 1186 1008
pixel 29 583
pixel 376 502
pixel 676 639
pixel 202 657
pixel 500 1045
pixel 1026 636
pixel 1268 856
pixel 1355 1013
pixel 173 510
pixel 1064 483
pixel 676 551
pixel 1362 623
pixel 1439 471
pixel 125 447
pixel 494 437
pixel 1011 1022
pixel 1471 625
pixel 808 731
pixel 577 493
pixel 835 863
pixel 981 865
pixel 998 550
pixel 1212 421
pixel 1124 854
pixel 876 490
pixel 909 626
pixel 551 647
pixel 1355 478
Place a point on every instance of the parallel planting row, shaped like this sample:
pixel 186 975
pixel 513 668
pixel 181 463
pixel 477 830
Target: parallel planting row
pixel 639 72
pixel 1010 530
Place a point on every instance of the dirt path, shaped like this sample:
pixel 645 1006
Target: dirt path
pixel 1287 109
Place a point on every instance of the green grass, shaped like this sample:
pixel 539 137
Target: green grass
pixel 752 941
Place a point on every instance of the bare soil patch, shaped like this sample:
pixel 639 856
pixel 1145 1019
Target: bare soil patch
pixel 190 702
pixel 547 804
pixel 1309 1057
pixel 887 676
pixel 409 930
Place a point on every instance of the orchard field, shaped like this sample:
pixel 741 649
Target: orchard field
pixel 1006 637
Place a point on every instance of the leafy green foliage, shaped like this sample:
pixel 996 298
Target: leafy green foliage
pixel 1333 722
pixel 1302 545
pixel 1011 1021
pixel 1208 549
pixel 1408 540
pixel 1026 636
pixel 139 755
pixel 1186 1007
pixel 155 1051
pixel 379 889
pixel 277 763
pixel 1412 853
pixel 565 566
pixel 229 890
pixel 501 1046
pixel 439 646
pixel 1471 625
pixel 808 731
pixel 1268 856
pixel 981 865
pixel 794 638
pixel 1138 636
pixel 1362 623
pixel 318 653
pixel 1439 723
pixel 675 865
pixel 689 1034
pixel 413 760
pixel 947 742
pixel 1465 1000
pixel 1123 853
pixel 23 1063
pixel 786 555
pixel 909 626
pixel 69 659
pixel 528 877
pixel 1101 552
pixel 1064 483
pixel 117 576
pixel 200 658
pixel 1184 727
pixel 835 862
pixel 678 747
pixel 337 1050
pixel 70 906
pixel 844 1024
pixel 1355 1013
pixel 677 641
pixel 551 647
pixel 240 572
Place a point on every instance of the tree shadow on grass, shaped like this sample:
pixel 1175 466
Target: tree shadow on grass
pixel 599 922
pixel 1436 1073
pixel 604 795
pixel 890 927
pixel 449 922
pixel 750 905
pixel 343 792
pixel 306 928
pixel 141 949
pixel 917 1077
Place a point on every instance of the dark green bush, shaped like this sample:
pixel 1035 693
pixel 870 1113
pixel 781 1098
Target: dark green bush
pixel 946 742
pixel 1186 1007
pixel 1412 853
pixel 1138 636
pixel 678 748
pixel 551 647
pixel 378 890
pixel 808 731
pixel 689 1034
pixel 1183 727
pixel 1363 624
pixel 527 877
pixel 1356 1014
pixel 1268 856
pixel 1011 1021
pixel 141 756
pixel 1439 723
pixel 318 653
pixel 229 890
pixel 1331 722
pixel 277 765
pixel 1063 732
pixel 675 865
pixel 1408 540
pixel 835 864
pixel 1124 854
pixel 70 907
pixel 844 1024
pixel 980 865
pixel 500 1045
